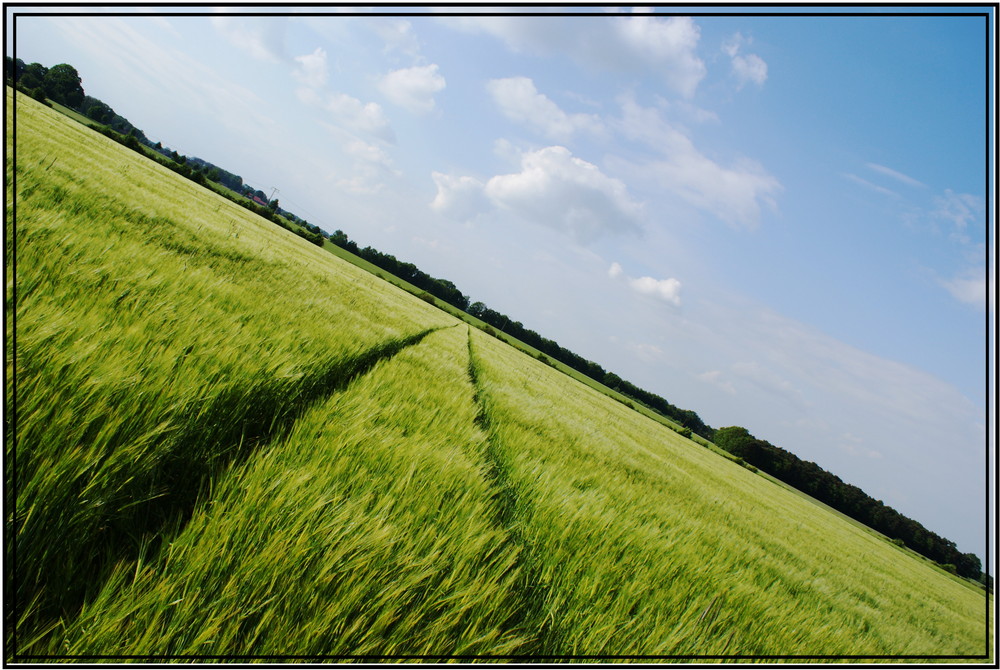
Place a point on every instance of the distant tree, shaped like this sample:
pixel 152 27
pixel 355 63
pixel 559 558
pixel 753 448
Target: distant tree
pixel 273 205
pixel 38 93
pixel 62 83
pixel 100 113
pixel 12 69
pixel 33 76
pixel 612 381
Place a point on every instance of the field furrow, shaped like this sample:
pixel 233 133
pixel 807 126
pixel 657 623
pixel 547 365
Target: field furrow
pixel 512 501
pixel 366 532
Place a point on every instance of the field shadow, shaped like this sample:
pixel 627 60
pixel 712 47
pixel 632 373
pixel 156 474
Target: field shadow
pixel 138 514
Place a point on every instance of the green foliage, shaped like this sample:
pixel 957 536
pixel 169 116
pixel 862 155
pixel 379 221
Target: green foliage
pixel 38 93
pixel 33 76
pixel 62 83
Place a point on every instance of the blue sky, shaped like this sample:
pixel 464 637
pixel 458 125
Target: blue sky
pixel 778 222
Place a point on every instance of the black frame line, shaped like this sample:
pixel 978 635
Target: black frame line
pixel 880 10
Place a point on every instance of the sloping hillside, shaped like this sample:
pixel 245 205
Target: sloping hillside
pixel 228 443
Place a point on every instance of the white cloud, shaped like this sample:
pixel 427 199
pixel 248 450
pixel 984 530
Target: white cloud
pixel 667 290
pixel 747 68
pixel 648 353
pixel 959 210
pixel 733 194
pixel 969 288
pixel 351 113
pixel 398 35
pixel 666 43
pixel 371 169
pixel 413 88
pixel 368 153
pixel 556 189
pixel 874 187
pixel 750 68
pixel 459 198
pixel 899 176
pixel 520 101
pixel 311 70
pixel 714 377
pixel 262 39
pixel 665 47
pixel 732 46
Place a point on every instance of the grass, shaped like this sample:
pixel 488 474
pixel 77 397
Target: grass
pixel 752 569
pixel 365 532
pixel 230 443
pixel 154 347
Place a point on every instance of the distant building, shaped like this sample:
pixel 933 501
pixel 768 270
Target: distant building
pixel 259 201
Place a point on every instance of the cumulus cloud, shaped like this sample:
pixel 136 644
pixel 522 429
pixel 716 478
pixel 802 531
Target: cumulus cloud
pixel 520 101
pixel 351 113
pixel 734 194
pixel 749 68
pixel 663 46
pixel 460 198
pixel 556 189
pixel 413 88
pixel 553 188
pixel 665 43
pixel 667 290
pixel 311 69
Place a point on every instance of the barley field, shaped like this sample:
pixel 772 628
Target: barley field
pixel 224 443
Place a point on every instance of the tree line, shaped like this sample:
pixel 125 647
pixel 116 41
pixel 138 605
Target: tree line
pixel 439 288
pixel 62 84
pixel 828 488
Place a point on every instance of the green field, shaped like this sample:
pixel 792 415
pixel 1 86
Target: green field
pixel 228 442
